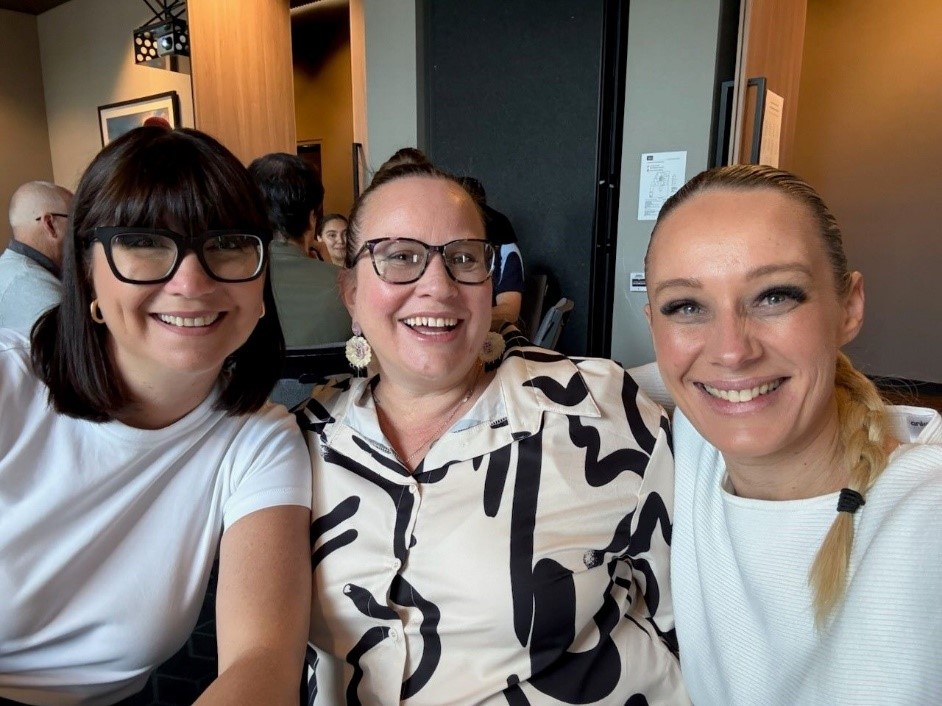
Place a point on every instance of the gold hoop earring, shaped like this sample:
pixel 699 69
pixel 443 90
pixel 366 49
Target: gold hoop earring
pixel 96 312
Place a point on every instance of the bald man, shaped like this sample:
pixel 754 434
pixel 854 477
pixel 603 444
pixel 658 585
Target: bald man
pixel 29 267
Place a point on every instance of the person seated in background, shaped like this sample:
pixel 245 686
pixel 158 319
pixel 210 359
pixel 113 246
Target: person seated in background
pixel 137 444
pixel 29 267
pixel 309 305
pixel 332 232
pixel 807 529
pixel 488 528
pixel 508 267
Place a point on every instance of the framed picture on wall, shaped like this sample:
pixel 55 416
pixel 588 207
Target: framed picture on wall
pixel 115 119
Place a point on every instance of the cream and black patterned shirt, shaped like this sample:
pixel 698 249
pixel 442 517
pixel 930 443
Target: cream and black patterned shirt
pixel 524 562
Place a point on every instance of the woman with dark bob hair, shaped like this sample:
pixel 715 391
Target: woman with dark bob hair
pixel 137 442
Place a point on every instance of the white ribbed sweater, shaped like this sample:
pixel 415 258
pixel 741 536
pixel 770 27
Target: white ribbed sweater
pixel 740 578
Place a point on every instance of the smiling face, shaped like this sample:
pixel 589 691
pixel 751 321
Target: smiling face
pixel 334 234
pixel 178 332
pixel 425 335
pixel 747 321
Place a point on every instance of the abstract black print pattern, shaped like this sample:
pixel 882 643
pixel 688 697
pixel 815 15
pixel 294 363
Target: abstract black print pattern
pixel 524 562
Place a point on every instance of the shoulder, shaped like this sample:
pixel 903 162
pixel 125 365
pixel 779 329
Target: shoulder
pixel 329 401
pixel 538 379
pixel 17 380
pixel 271 420
pixel 288 259
pixel 14 354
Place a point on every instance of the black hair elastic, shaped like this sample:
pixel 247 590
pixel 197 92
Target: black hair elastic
pixel 850 501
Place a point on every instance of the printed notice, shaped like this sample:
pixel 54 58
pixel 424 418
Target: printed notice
pixel 770 147
pixel 662 173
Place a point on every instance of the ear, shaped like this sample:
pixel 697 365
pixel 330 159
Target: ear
pixel 647 314
pixel 347 284
pixel 853 309
pixel 49 225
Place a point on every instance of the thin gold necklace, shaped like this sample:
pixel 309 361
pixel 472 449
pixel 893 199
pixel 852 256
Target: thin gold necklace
pixel 439 430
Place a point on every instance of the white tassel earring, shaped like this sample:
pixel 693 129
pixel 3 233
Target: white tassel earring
pixel 358 351
pixel 493 347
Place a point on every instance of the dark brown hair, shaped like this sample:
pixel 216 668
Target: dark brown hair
pixel 150 177
pixel 291 189
pixel 385 176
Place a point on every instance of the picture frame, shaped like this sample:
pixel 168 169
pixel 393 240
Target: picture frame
pixel 115 119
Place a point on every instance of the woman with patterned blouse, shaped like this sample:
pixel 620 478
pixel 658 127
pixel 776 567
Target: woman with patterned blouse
pixel 492 526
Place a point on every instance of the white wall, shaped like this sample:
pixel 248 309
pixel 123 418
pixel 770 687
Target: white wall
pixel 391 89
pixel 24 148
pixel 668 107
pixel 88 61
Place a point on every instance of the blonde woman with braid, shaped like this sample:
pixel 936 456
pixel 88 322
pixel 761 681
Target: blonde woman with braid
pixel 807 546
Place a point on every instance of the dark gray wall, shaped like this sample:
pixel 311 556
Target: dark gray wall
pixel 511 97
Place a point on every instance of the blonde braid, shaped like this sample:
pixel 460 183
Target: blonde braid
pixel 864 433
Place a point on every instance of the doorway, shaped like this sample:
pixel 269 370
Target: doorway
pixel 528 97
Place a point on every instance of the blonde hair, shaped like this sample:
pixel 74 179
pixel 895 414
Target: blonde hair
pixel 864 427
pixel 864 432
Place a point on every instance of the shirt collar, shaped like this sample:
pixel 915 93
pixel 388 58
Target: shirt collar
pixel 529 383
pixel 34 255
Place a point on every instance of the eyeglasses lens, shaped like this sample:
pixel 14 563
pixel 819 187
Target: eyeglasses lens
pixel 233 256
pixel 401 261
pixel 144 257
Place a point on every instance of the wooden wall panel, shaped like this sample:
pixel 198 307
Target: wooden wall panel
pixel 243 91
pixel 774 43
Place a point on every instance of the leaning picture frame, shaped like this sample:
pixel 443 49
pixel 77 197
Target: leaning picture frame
pixel 115 119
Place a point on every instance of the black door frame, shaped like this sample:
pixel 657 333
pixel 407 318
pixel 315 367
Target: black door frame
pixel 614 62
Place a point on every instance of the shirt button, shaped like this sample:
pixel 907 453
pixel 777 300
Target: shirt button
pixel 413 489
pixel 395 564
pixel 394 634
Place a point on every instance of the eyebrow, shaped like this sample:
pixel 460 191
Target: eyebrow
pixel 775 269
pixel 765 270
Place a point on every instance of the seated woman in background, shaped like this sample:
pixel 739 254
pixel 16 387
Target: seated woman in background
pixel 486 529
pixel 807 528
pixel 332 236
pixel 136 433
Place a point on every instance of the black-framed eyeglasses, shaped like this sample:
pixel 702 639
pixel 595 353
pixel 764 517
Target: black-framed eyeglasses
pixel 404 260
pixel 152 255
pixel 57 215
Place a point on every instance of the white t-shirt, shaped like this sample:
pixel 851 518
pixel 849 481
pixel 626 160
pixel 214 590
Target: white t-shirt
pixel 740 567
pixel 108 533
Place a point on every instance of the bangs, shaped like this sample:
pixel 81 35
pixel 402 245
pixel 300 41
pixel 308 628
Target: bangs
pixel 174 181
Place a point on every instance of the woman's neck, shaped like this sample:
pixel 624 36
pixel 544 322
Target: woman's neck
pixel 414 419
pixel 159 397
pixel 155 407
pixel 819 468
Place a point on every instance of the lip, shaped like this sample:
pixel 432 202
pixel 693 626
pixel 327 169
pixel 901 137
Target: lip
pixel 430 331
pixel 195 328
pixel 726 395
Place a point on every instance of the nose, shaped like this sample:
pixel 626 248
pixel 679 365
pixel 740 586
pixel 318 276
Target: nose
pixel 436 279
pixel 190 280
pixel 732 343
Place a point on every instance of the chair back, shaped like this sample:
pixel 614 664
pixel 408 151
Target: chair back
pixel 547 336
pixel 531 304
pixel 303 368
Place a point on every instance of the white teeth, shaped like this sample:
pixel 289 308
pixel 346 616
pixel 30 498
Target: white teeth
pixel 431 321
pixel 185 322
pixel 742 395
